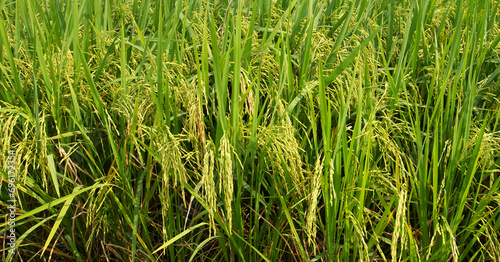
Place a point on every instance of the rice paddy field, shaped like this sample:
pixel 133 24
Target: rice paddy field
pixel 216 130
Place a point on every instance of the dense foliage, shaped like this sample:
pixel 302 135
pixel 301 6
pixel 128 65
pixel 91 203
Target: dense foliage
pixel 216 130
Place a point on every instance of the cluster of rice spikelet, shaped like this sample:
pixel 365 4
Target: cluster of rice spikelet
pixel 361 235
pixel 7 125
pixel 169 150
pixel 400 224
pixel 195 121
pixel 35 149
pixel 313 202
pixel 331 173
pixel 208 183
pixel 283 149
pixel 226 176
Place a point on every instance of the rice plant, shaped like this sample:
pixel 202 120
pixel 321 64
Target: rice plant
pixel 231 130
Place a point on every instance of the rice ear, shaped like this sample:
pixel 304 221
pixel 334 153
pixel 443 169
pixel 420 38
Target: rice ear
pixel 169 149
pixel 313 202
pixel 208 183
pixel 226 176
